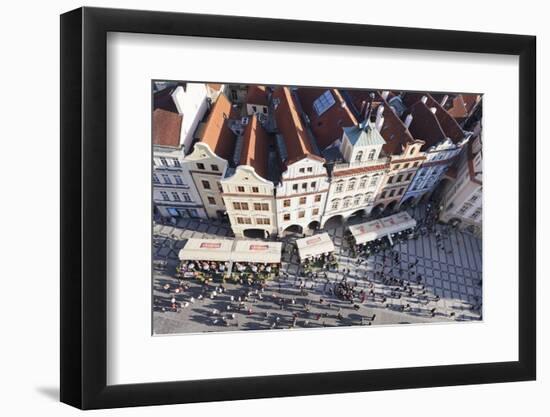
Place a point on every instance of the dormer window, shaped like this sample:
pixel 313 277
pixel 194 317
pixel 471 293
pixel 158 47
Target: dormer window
pixel 359 156
pixel 372 154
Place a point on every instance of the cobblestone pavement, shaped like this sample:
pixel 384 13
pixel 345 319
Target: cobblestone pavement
pixel 449 289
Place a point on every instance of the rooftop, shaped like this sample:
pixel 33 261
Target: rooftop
pixel 217 133
pixel 166 128
pixel 328 113
pixel 255 150
pixel 364 135
pixel 256 94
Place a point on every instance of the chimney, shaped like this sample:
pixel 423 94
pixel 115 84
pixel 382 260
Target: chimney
pixel 424 99
pixel 178 97
pixel 363 105
pixel 444 100
pixel 408 120
pixel 379 123
pixel 433 110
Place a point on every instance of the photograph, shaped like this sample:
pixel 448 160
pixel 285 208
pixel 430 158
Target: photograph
pixel 295 207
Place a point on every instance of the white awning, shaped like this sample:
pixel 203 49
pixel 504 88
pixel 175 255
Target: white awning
pixel 206 250
pixel 314 245
pixel 366 232
pixel 257 251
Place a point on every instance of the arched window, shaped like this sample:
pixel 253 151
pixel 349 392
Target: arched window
pixel 372 154
pixel 368 198
pixel 357 200
pixel 411 151
pixel 334 204
pixel 339 187
pixel 374 180
pixel 363 182
pixel 351 185
pixel 347 202
pixel 358 156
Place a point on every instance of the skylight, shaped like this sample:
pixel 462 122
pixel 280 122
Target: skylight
pixel 323 103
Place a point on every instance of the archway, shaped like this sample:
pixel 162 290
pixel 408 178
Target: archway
pixel 334 222
pixel 379 208
pixel 314 225
pixel 408 202
pixel 441 189
pixel 255 233
pixel 391 207
pixel 356 216
pixel 293 229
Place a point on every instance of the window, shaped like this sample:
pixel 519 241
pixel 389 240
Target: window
pixel 155 178
pixel 347 202
pixel 254 109
pixel 257 206
pixel 176 196
pixel 200 166
pixel 262 221
pixel 315 211
pixel 286 203
pixel 317 198
pixel 383 195
pixel 236 206
pixel 372 154
pixel 265 207
pixel 205 184
pixel 309 169
pixel 473 199
pixel 411 151
pixel 302 170
pixel 406 165
pixel 400 191
pixel 356 200
pixel 255 190
pixel 416 164
pixel 214 167
pixel 313 184
pixel 163 161
pixel 286 216
pixel 264 110
pixel 186 197
pixel 475 214
pixel 323 102
pixel 178 179
pixel 464 208
pixel 397 166
pixel 294 187
pixel 359 156
pixel 301 214
pixel 368 198
pixel 409 176
pixel 335 204
pixel 304 186
pixel 339 187
pixel 166 179
pixel 351 185
pixel 176 162
pixel 212 201
pixel 374 180
pixel 390 180
pixel 400 178
pixel 164 195
pixel 244 220
pixel 240 189
pixel 392 193
pixel 303 200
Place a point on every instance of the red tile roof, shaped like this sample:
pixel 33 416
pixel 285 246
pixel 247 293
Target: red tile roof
pixel 289 124
pixel 359 171
pixel 255 147
pixel 166 128
pixel 327 127
pixel 217 133
pixel 256 94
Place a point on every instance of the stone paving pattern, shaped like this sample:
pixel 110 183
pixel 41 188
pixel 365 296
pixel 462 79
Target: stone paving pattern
pixel 451 279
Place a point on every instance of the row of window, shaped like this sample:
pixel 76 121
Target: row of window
pixel 167 162
pixel 406 165
pixel 245 206
pixel 359 155
pixel 167 179
pixel 349 202
pixel 399 178
pixel 248 220
pixel 392 193
pixel 304 186
pixel 303 170
pixel 303 200
pixel 362 183
pixel 300 215
pixel 213 167
pixel 175 196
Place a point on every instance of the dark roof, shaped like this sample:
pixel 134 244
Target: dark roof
pixel 163 100
pixel 217 133
pixel 327 127
pixel 425 125
pixel 166 128
pixel 256 94
pixel 290 126
pixel 255 151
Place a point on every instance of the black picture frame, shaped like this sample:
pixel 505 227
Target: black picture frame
pixel 84 207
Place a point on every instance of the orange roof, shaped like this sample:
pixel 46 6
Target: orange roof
pixel 463 104
pixel 166 128
pixel 326 127
pixel 256 94
pixel 255 147
pixel 290 125
pixel 217 133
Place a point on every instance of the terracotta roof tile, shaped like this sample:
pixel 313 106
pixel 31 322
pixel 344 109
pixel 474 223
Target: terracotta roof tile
pixel 255 147
pixel 217 133
pixel 256 94
pixel 166 128
pixel 289 124
pixel 326 127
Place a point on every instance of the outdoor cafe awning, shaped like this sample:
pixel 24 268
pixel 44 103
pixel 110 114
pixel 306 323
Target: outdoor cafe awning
pixel 206 250
pixel 366 232
pixel 314 245
pixel 257 251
